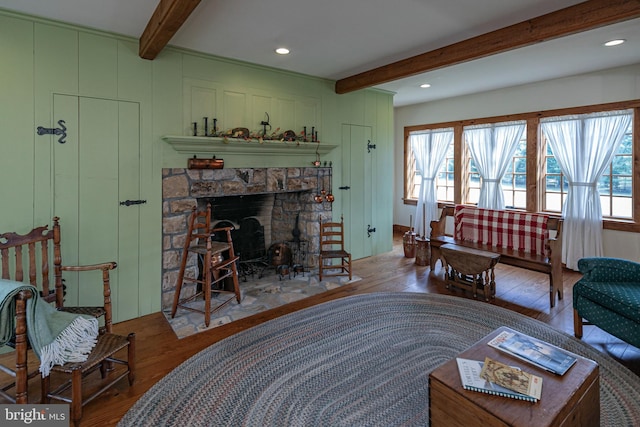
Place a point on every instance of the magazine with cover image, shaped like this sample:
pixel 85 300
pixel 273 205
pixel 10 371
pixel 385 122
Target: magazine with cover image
pixel 534 351
pixel 471 380
pixel 511 377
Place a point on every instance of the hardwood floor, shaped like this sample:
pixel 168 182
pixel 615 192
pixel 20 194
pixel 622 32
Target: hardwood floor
pixel 159 351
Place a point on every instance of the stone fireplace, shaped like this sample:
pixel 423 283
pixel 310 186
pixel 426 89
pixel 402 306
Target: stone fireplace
pixel 282 197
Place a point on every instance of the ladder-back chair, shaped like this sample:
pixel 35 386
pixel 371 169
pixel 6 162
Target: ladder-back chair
pixel 332 248
pixel 217 261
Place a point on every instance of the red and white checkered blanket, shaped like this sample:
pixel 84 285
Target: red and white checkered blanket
pixel 522 231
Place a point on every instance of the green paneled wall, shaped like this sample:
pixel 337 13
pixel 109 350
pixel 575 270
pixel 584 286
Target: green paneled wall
pixel 41 59
pixel 16 120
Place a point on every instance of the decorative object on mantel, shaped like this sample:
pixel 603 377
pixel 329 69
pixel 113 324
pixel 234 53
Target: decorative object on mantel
pixel 289 135
pixel 242 133
pixel 196 163
pixel 260 135
pixel 264 124
pixel 206 127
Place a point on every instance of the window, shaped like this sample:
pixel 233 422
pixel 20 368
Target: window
pixel 533 180
pixel 514 181
pixel 412 180
pixel 556 186
pixel 615 185
pixel 472 179
pixel 445 178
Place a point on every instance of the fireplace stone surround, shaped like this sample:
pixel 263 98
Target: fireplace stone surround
pixel 293 188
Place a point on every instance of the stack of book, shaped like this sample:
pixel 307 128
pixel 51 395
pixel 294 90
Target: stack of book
pixel 492 377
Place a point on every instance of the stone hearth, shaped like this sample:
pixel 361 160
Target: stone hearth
pixel 294 190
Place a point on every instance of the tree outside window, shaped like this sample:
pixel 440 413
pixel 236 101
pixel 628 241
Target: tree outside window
pixel 615 185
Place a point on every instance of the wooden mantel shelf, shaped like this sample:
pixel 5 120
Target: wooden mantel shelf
pixel 211 145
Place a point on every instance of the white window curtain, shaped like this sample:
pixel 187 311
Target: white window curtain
pixel 492 146
pixel 429 148
pixel 584 146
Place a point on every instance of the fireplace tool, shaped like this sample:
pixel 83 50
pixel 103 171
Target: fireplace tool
pixel 318 197
pixel 329 197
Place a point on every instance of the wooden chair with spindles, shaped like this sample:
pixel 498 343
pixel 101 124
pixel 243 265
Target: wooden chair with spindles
pixel 19 342
pixel 26 258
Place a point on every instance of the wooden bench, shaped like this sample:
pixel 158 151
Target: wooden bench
pixel 520 238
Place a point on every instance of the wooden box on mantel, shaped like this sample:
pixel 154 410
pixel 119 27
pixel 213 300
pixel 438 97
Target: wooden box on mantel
pixel 195 163
pixel 572 399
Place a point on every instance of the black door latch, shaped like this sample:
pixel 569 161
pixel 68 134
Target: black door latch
pixel 132 202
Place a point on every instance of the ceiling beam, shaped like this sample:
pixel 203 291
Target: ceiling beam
pixel 574 19
pixel 164 23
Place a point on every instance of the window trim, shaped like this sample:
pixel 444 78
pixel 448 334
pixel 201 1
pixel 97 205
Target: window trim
pixel 535 176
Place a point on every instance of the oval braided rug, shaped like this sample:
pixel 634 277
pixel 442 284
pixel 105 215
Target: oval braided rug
pixel 357 361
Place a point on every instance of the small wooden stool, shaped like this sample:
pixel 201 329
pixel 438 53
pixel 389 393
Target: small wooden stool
pixel 470 268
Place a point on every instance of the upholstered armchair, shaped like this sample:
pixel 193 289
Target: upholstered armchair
pixel 608 296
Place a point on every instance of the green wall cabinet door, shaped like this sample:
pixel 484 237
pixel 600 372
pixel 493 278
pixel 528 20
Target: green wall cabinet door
pixel 93 171
pixel 357 200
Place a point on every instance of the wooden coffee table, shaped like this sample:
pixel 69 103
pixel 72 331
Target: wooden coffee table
pixel 469 268
pixel 572 399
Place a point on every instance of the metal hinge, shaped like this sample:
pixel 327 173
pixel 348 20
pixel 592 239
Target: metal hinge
pixel 62 131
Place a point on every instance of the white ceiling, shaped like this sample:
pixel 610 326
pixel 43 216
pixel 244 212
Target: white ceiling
pixel 335 39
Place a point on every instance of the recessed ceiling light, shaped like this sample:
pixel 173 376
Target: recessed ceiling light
pixel 426 85
pixel 282 51
pixel 615 42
